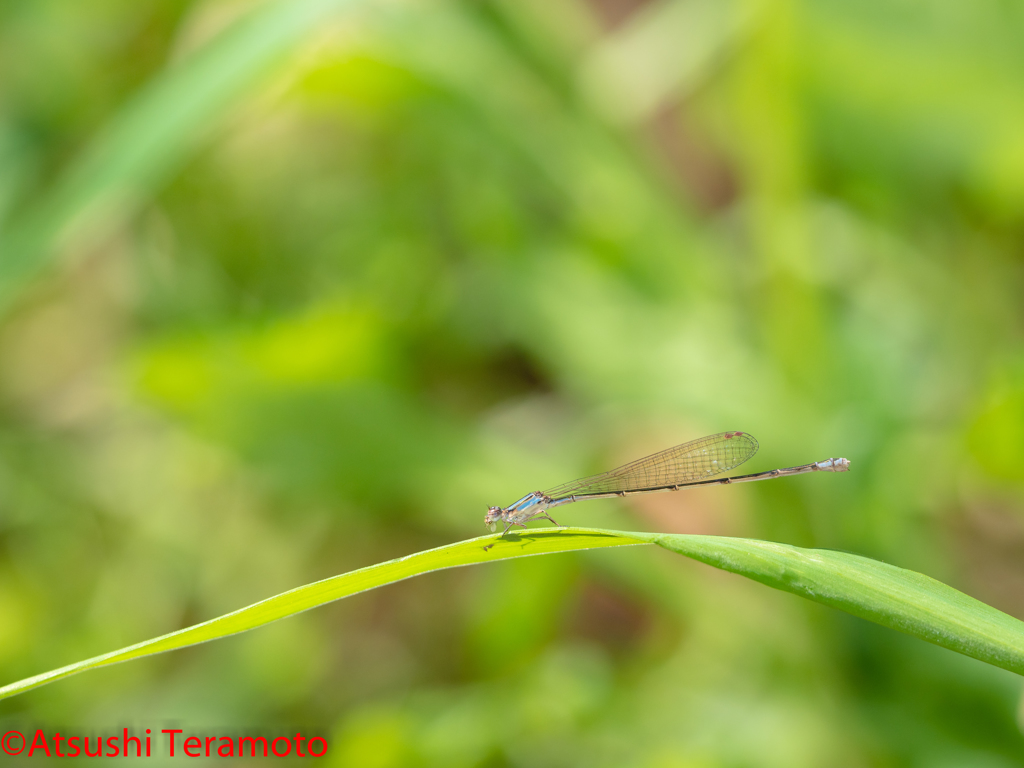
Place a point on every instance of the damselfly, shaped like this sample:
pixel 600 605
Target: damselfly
pixel 684 466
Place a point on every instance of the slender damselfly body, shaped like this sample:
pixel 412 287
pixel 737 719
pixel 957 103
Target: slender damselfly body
pixel 684 466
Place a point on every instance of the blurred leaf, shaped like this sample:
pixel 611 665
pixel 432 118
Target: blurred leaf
pixel 154 133
pixel 665 50
pixel 995 437
pixel 894 597
pixel 327 345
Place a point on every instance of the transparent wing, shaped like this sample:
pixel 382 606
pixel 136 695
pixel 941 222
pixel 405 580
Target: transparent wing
pixel 686 463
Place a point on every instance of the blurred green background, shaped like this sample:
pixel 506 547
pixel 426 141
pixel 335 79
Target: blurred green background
pixel 288 290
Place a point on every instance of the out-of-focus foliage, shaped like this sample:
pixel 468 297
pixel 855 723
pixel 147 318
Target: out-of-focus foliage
pixel 434 255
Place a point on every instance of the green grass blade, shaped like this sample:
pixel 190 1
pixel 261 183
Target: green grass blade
pixel 154 133
pixel 541 541
pixel 891 596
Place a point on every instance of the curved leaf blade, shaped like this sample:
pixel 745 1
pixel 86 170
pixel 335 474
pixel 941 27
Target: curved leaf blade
pixel 886 594
pixel 539 541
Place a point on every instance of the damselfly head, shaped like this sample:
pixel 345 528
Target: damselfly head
pixel 492 517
